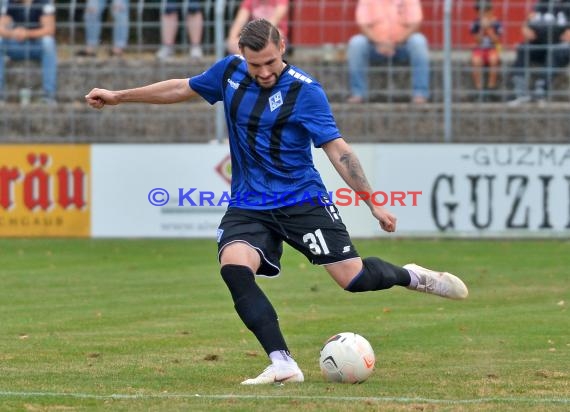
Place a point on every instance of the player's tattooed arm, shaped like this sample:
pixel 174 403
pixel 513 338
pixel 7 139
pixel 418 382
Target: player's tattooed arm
pixel 347 165
pixel 354 169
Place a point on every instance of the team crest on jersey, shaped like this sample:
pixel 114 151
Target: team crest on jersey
pixel 275 101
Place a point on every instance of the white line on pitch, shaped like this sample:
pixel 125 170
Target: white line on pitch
pixel 14 394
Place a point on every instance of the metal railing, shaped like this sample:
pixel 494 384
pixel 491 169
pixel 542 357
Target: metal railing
pixel 319 32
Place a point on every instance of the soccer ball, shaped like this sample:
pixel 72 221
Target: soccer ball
pixel 347 357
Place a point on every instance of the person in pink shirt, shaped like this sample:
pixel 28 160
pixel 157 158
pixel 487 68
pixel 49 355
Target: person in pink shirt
pixel 274 11
pixel 390 33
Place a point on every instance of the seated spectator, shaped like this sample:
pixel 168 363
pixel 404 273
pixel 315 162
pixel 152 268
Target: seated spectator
pixel 275 11
pixel 546 46
pixel 194 19
pixel 27 30
pixel 390 32
pixel 487 31
pixel 93 25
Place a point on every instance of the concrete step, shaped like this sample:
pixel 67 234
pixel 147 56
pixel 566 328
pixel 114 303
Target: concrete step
pixel 388 118
pixel 387 83
pixel 194 122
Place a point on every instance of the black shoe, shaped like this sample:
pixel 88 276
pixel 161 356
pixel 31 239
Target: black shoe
pixel 493 94
pixel 86 53
pixel 477 96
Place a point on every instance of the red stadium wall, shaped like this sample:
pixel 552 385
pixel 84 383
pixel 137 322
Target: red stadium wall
pixel 315 22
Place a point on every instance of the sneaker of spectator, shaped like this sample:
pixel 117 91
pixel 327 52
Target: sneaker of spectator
pixel 519 101
pixel 539 93
pixel 196 53
pixel 165 53
pixel 48 102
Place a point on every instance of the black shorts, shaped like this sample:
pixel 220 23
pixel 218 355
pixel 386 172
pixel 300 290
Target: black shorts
pixel 314 230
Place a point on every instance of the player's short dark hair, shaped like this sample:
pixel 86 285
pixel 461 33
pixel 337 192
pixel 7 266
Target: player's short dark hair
pixel 257 34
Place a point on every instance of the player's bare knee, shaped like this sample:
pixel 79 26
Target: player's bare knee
pixel 344 272
pixel 240 253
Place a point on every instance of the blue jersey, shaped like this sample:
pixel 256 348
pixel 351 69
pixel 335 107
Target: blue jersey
pixel 25 15
pixel 270 132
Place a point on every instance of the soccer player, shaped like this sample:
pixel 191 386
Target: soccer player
pixel 274 112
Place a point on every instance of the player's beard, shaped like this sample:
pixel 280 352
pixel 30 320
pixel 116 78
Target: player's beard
pixel 266 85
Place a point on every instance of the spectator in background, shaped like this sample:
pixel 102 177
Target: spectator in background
pixel 390 32
pixel 27 32
pixel 194 20
pixel 274 11
pixel 93 25
pixel 487 31
pixel 546 45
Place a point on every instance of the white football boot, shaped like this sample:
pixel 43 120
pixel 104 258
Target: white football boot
pixel 284 372
pixel 442 284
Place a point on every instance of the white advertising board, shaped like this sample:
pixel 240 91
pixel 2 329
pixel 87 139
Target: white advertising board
pixel 128 179
pixel 472 190
pixel 434 189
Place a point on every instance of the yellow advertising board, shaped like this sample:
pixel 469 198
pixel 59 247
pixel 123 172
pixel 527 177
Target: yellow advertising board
pixel 44 190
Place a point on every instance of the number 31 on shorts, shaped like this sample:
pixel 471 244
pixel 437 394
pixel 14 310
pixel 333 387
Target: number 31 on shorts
pixel 316 242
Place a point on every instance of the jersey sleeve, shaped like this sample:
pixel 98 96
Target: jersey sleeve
pixel 209 83
pixel 316 116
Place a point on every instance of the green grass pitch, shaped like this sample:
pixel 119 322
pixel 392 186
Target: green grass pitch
pixel 148 325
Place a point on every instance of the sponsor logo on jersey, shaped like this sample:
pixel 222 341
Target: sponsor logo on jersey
pixel 233 85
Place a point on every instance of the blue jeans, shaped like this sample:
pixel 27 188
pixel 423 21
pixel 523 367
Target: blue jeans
pixel 361 53
pixel 43 50
pixel 93 14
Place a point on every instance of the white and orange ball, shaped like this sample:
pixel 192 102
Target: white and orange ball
pixel 347 357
